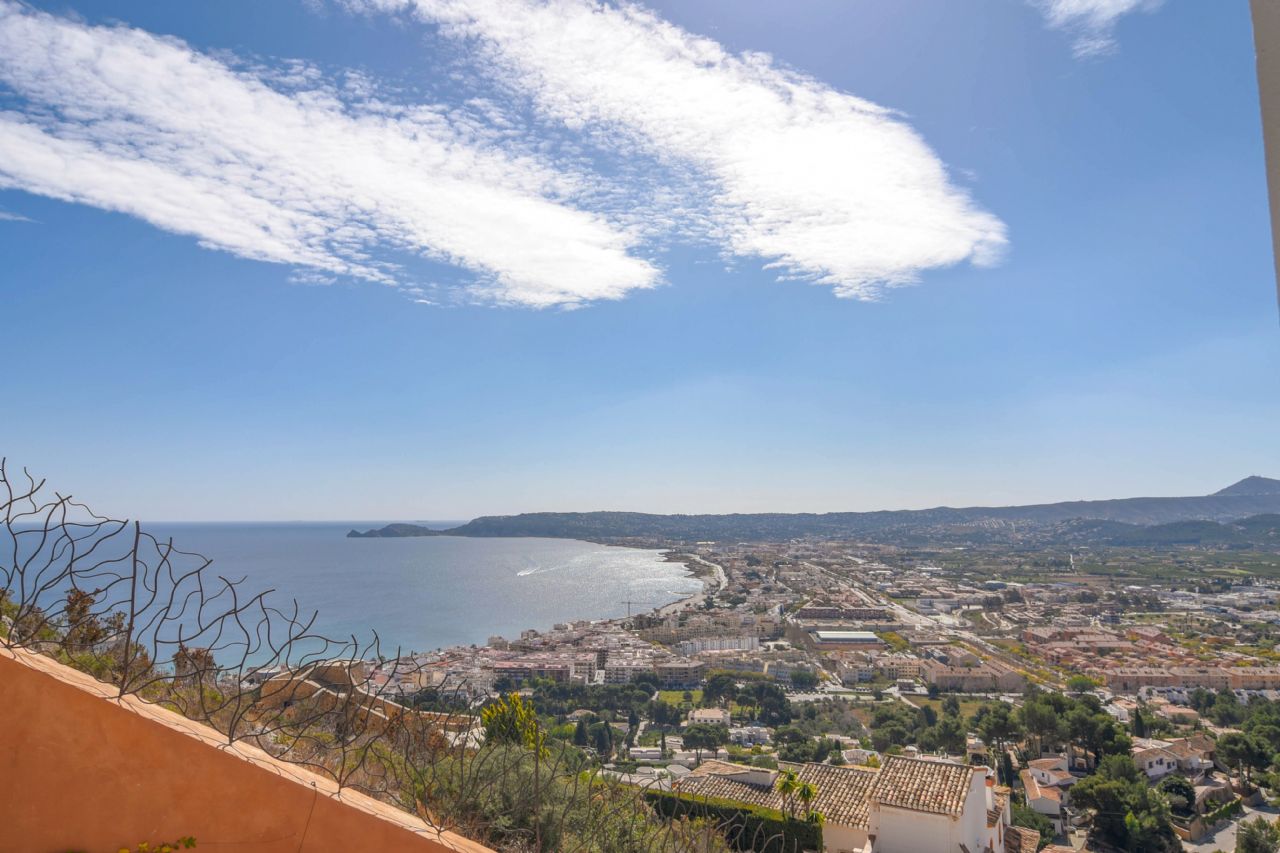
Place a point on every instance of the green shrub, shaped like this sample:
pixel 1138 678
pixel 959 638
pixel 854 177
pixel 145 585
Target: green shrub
pixel 746 827
pixel 1226 810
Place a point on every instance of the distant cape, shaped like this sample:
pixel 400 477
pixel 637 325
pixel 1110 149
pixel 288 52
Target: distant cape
pixel 1252 496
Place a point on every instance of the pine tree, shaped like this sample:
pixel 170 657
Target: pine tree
pixel 1258 836
pixel 1006 768
pixel 1139 723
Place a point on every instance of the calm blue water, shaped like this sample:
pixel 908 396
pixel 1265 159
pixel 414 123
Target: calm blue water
pixel 425 593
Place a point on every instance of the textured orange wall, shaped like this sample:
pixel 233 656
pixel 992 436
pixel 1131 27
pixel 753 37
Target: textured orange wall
pixel 1266 40
pixel 80 770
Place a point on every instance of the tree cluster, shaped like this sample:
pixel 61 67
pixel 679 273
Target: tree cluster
pixel 1078 723
pixel 1128 814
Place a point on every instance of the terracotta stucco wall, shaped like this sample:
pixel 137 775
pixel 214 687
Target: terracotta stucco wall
pixel 80 770
pixel 1266 37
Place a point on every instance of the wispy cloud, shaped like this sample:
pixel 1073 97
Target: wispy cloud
pixel 6 216
pixel 1091 22
pixel 642 134
pixel 822 185
pixel 278 166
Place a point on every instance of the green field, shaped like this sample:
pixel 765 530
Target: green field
pixel 676 697
pixel 967 706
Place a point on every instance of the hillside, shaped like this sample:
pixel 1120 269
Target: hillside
pixel 1252 486
pixel 1249 497
pixel 1259 531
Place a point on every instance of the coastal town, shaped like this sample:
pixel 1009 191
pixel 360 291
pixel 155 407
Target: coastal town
pixel 944 685
pixel 1025 696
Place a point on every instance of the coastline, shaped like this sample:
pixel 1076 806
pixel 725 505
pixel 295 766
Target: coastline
pixel 469 584
pixel 711 575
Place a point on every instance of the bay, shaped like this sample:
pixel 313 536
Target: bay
pixel 430 592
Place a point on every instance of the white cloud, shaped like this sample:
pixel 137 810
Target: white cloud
pixel 822 185
pixel 1092 22
pixel 6 216
pixel 329 179
pixel 642 132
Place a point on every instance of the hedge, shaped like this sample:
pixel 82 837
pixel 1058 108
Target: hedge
pixel 1230 809
pixel 746 827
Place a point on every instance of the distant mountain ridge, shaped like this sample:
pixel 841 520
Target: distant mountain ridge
pixel 1260 531
pixel 1252 496
pixel 1254 485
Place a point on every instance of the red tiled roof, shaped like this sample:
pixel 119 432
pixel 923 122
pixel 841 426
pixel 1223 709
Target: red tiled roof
pixel 842 792
pixel 1019 839
pixel 1036 791
pixel 929 786
pixel 841 798
pixel 1000 802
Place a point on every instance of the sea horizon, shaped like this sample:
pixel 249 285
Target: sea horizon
pixel 423 593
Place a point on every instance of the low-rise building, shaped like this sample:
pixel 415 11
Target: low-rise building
pixel 855 672
pixel 826 639
pixel 1153 758
pixel 718 644
pixel 680 674
pixel 749 735
pixel 1254 677
pixel 922 806
pixel 985 677
pixel 907 806
pixel 1192 756
pixel 1045 784
pixel 783 670
pixel 898 666
pixel 625 671
pixel 713 716
pixel 1131 679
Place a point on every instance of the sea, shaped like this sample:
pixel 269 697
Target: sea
pixel 424 593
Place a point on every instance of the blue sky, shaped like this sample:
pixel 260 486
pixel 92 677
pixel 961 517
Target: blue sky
pixel 440 258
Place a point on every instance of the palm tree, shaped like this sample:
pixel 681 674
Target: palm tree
pixel 807 792
pixel 788 786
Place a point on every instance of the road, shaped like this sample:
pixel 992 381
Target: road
pixel 920 621
pixel 1225 838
